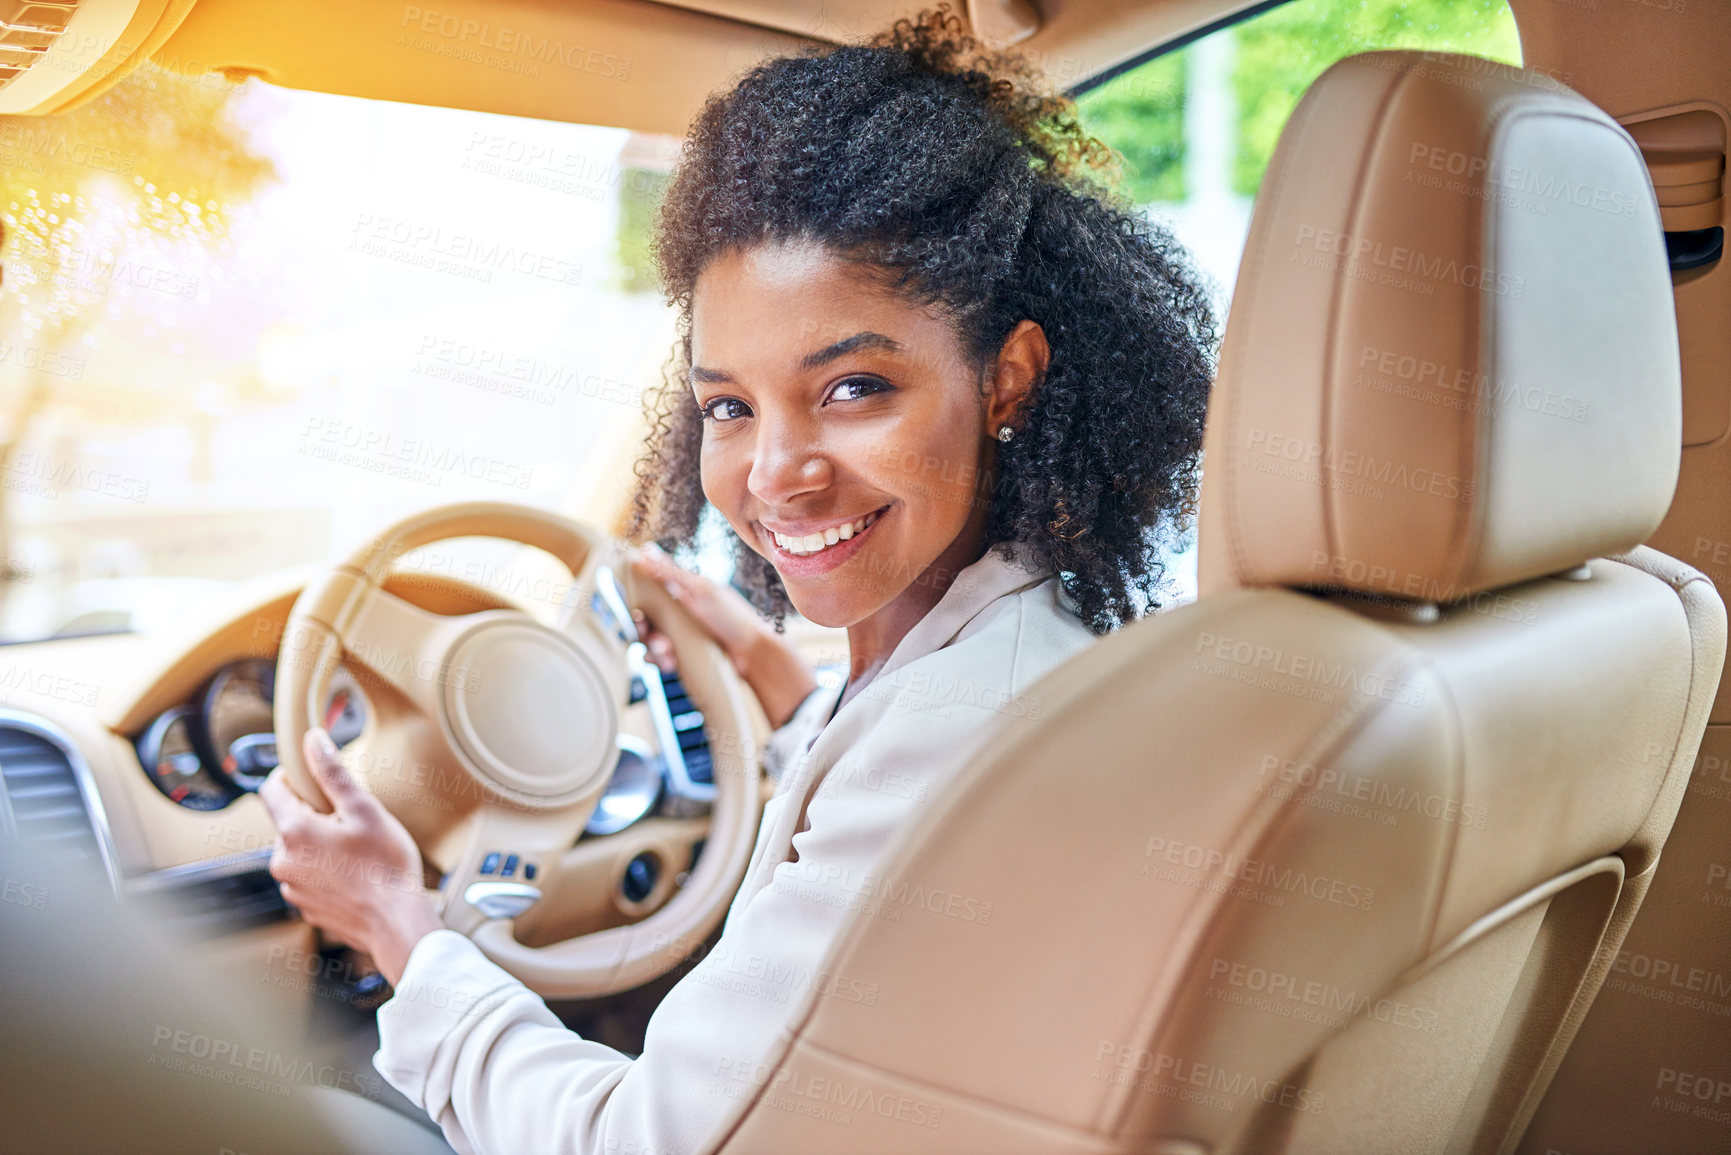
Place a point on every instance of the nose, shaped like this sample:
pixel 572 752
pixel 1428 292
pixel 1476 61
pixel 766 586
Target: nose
pixel 788 460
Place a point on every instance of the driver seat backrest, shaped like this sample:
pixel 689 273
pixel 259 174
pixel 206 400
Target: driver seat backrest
pixel 1334 859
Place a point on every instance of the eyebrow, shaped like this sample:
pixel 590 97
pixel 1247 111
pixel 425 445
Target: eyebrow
pixel 854 344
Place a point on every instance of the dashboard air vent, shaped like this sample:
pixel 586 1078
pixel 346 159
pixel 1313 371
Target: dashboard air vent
pixel 46 801
pixel 206 904
pixel 688 725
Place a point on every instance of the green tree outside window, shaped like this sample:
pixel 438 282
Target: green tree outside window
pixel 1282 51
pixel 1276 57
pixel 1141 115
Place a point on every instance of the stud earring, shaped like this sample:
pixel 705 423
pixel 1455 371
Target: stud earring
pixel 1005 433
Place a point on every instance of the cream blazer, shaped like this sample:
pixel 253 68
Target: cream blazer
pixel 483 1055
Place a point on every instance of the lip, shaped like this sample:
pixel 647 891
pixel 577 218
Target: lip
pixel 813 564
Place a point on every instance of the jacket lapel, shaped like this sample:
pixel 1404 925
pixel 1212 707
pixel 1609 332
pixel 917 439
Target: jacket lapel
pixel 1002 570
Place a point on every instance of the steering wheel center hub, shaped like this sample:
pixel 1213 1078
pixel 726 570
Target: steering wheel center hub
pixel 531 713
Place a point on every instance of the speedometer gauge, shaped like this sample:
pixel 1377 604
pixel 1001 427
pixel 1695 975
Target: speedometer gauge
pixel 239 721
pixel 169 754
pixel 241 726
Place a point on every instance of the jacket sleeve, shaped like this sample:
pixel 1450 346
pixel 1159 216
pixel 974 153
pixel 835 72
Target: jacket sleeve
pixel 484 1056
pixel 481 1053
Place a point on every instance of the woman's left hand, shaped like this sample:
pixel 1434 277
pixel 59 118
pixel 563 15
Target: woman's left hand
pixel 355 872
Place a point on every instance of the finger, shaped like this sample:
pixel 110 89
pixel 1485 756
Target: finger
pixel 655 563
pixel 331 774
pixel 674 578
pixel 286 808
pixel 647 630
pixel 660 648
pixel 282 865
pixel 292 894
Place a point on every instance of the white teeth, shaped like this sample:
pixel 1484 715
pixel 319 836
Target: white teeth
pixel 813 542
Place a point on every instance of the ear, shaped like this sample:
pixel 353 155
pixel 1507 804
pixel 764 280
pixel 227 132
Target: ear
pixel 1019 369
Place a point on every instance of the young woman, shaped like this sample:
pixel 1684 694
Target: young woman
pixel 947 392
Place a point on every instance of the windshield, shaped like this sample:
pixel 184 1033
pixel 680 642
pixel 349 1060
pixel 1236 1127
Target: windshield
pixel 244 326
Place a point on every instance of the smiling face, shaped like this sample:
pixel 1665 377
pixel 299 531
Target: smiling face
pixel 845 432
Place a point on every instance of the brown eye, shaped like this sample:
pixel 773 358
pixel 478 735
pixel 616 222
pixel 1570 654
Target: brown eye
pixel 709 410
pixel 862 386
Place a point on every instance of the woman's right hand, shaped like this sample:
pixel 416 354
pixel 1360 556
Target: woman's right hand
pixel 774 670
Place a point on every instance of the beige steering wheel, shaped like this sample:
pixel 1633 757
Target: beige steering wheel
pixel 493 736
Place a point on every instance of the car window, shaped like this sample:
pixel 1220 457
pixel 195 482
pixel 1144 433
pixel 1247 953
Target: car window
pixel 1196 126
pixel 242 326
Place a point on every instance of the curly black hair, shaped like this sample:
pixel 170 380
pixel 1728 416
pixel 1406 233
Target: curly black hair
pixel 959 175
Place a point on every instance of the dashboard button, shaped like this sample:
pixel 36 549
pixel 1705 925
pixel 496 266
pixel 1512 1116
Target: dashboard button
pixel 489 864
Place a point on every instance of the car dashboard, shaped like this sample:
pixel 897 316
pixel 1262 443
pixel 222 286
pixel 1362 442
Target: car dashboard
pixel 150 774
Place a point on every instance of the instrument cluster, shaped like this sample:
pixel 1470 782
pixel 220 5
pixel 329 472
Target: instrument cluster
pixel 206 753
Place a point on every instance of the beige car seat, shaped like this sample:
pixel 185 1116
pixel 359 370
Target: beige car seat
pixel 1334 859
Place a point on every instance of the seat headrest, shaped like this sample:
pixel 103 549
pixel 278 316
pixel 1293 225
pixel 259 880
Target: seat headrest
pixel 1451 361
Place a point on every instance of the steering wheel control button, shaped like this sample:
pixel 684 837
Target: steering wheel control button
pixel 531 712
pixel 489 864
pixel 501 899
